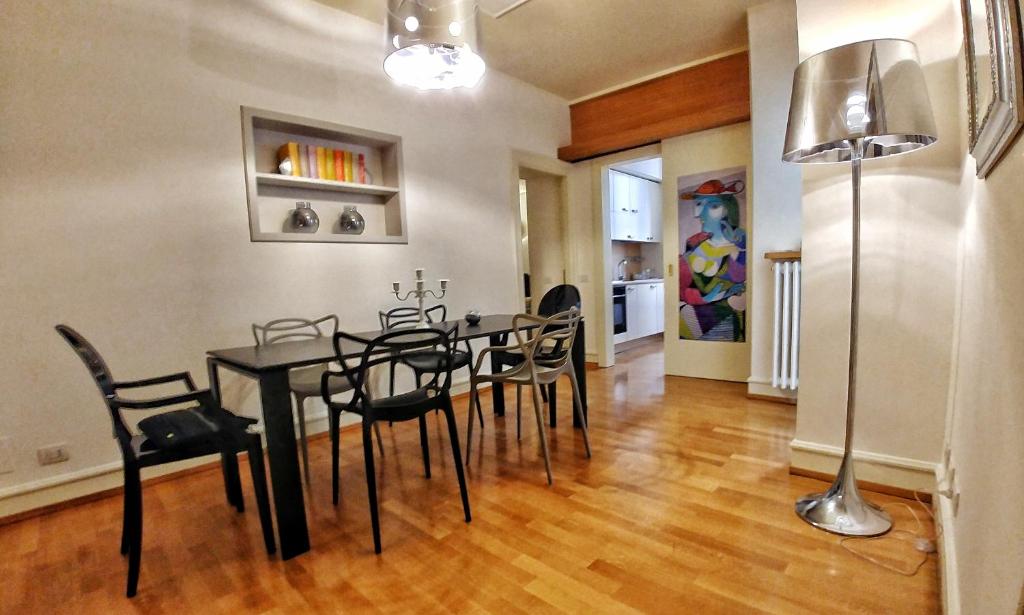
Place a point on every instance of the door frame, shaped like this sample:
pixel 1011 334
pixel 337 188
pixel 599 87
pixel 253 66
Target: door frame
pixel 604 268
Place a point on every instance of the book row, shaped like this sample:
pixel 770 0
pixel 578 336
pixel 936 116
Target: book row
pixel 317 162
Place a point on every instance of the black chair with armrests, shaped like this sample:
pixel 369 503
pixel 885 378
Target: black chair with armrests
pixel 397 345
pixel 221 433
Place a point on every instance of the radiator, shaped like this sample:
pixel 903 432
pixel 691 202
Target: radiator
pixel 786 325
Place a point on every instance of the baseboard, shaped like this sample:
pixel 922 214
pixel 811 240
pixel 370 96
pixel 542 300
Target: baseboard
pixel 884 471
pixel 58 492
pixel 948 572
pixel 763 389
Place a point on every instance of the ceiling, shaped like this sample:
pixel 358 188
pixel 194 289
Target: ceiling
pixel 575 48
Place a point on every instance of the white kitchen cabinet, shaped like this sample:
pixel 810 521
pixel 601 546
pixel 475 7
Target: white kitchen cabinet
pixel 625 219
pixel 645 309
pixel 635 208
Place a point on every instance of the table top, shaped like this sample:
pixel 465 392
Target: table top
pixel 286 355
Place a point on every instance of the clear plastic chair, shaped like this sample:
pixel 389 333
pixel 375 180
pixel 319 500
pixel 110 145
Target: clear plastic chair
pixel 304 382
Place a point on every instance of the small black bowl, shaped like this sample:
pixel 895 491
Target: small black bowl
pixel 473 319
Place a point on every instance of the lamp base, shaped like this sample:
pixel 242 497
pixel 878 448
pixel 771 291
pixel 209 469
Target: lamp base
pixel 841 510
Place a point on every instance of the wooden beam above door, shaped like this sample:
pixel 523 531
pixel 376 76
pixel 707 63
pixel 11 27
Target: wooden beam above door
pixel 709 95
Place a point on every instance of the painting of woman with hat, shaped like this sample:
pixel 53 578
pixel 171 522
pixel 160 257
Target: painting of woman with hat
pixel 713 263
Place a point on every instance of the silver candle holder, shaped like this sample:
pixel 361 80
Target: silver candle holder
pixel 420 293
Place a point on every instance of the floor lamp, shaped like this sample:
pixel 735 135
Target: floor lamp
pixel 856 102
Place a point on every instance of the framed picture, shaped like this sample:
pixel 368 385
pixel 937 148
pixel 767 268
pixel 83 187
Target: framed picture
pixel 995 87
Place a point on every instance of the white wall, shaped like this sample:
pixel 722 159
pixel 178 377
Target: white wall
pixel 986 427
pixel 909 247
pixel 775 222
pixel 124 198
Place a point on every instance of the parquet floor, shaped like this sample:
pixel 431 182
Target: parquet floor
pixel 686 507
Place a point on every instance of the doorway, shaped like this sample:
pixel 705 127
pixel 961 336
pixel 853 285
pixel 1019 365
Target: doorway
pixel 542 224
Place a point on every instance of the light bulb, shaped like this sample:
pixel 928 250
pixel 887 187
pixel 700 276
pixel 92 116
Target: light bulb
pixel 455 28
pixel 412 24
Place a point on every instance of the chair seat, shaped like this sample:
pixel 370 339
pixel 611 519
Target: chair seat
pixel 306 381
pixel 147 454
pixel 432 364
pixel 521 375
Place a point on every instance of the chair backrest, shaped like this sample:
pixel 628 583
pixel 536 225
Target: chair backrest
pixel 100 374
pixel 406 316
pixel 294 329
pixel 559 299
pixel 397 345
pixel 550 344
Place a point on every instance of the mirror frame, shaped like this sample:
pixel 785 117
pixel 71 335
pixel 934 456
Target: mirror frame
pixel 992 135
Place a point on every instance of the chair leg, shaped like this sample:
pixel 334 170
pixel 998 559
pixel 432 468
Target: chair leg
pixel 544 394
pixel 300 410
pixel 578 406
pixel 479 411
pixel 126 517
pixel 552 404
pixel 380 440
pixel 259 487
pixel 333 419
pixel 473 397
pixel 232 482
pixel 371 484
pixel 134 531
pixel 538 410
pixel 425 445
pixel 453 436
pixel 519 408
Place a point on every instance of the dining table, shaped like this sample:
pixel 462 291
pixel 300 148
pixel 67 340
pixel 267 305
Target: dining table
pixel 269 365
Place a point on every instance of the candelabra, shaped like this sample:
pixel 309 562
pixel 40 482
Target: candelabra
pixel 420 293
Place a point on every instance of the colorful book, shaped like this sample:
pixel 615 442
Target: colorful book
pixel 349 175
pixel 329 163
pixel 290 152
pixel 362 169
pixel 303 160
pixel 339 165
pixel 321 163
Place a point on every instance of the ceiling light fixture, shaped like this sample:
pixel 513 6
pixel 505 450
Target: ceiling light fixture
pixel 433 44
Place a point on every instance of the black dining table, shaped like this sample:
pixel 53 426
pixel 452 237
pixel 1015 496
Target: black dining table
pixel 269 364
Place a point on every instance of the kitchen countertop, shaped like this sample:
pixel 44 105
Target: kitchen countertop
pixel 629 282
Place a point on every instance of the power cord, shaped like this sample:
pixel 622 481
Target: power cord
pixel 921 542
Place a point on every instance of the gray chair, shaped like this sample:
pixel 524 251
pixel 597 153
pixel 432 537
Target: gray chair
pixel 547 354
pixel 304 382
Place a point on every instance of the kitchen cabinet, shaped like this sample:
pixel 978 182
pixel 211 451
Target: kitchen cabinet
pixel 645 310
pixel 635 208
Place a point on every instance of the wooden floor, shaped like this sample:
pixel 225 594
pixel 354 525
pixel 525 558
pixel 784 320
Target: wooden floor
pixel 686 507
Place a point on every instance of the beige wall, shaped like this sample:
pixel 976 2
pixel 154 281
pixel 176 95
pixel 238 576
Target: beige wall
pixel 545 219
pixel 775 222
pixel 986 427
pixel 710 150
pixel 908 258
pixel 124 195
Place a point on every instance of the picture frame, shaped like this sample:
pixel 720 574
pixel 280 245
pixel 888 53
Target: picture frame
pixel 995 84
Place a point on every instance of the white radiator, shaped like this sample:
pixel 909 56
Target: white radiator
pixel 786 326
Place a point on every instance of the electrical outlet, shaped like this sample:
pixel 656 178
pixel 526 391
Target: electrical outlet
pixel 6 456
pixel 55 453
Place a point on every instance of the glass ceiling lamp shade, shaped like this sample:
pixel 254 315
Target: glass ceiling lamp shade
pixel 433 44
pixel 855 102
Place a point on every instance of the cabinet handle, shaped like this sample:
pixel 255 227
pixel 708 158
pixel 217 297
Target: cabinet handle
pixel 624 209
pixel 634 210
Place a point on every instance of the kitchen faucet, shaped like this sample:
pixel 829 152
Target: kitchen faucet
pixel 622 268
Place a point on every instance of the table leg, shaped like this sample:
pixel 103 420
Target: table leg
pixel 497 389
pixel 553 404
pixel 579 364
pixel 284 463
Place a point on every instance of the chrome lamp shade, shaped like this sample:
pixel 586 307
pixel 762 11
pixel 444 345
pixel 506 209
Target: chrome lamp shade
pixel 859 101
pixel 433 44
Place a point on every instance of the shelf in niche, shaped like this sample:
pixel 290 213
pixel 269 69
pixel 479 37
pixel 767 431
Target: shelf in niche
pixel 271 196
pixel 330 185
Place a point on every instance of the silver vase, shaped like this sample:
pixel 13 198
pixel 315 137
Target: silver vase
pixel 352 222
pixel 303 219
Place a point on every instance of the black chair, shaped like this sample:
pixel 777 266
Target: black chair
pixel 228 436
pixel 558 299
pixel 405 317
pixel 399 345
